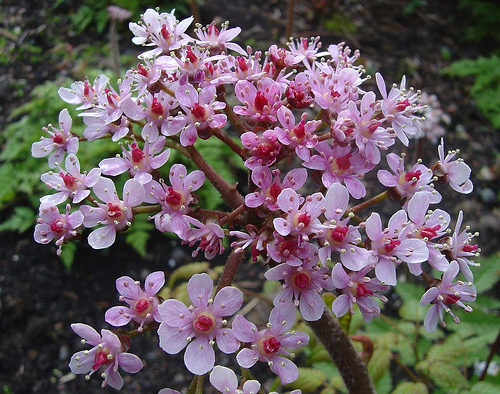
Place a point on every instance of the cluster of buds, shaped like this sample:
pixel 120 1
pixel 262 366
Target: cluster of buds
pixel 294 108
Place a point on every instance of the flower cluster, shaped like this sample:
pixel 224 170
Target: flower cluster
pixel 307 132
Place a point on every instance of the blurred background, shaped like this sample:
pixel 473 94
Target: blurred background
pixel 449 49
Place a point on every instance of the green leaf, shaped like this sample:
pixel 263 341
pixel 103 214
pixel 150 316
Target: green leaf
pixel 309 380
pixel 186 271
pixel 409 291
pixel 484 388
pixel 411 310
pixel 138 235
pixel 411 388
pixel 21 220
pixel 68 254
pixel 384 385
pixel 486 276
pixel 379 363
pixel 447 375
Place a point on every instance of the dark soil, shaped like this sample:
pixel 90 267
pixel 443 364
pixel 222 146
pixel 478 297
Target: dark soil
pixel 39 299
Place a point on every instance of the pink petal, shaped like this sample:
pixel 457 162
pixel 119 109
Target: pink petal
pixel 200 289
pixel 247 358
pixel 128 288
pixel 224 379
pixel 81 362
pixel 199 356
pixel 385 271
pixel 103 237
pixel 117 316
pixel 175 313
pixel 281 319
pixel 130 362
pixel 226 341
pixel 286 370
pixel 244 330
pixel 227 301
pixel 105 190
pixel 113 378
pixel 337 197
pixel 173 339
pixel 86 332
pixel 114 166
pixel 154 282
pixel 133 193
pixel 311 305
pixel 341 305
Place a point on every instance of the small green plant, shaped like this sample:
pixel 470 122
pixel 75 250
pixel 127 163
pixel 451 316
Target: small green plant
pixel 486 87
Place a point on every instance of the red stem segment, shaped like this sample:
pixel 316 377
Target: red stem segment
pixel 353 371
pixel 228 192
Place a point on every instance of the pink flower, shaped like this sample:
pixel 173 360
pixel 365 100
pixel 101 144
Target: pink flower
pixel 162 31
pixel 114 214
pixel 455 173
pixel 458 247
pixel 150 76
pixel 308 49
pixel 298 221
pixel 54 225
pixel 404 184
pixel 97 128
pixel 336 236
pixel 270 344
pixel 389 249
pixel 108 353
pixel 268 190
pixel 225 381
pixel 254 238
pixel 291 249
pixel 70 183
pixel 282 58
pixel 339 165
pixel 60 141
pixel 429 226
pixel 139 163
pixel 83 93
pixel 356 287
pixel 261 102
pixel 302 286
pixel 264 148
pixel 298 93
pixel 143 304
pixel 175 199
pixel 200 325
pixel 217 41
pixel 157 116
pixel 209 236
pixel 300 137
pixel 200 114
pixel 399 108
pixel 445 294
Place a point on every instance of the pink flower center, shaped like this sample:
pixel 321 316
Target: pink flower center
pixel 101 358
pixel 86 89
pixel 58 139
pixel 470 248
pixel 57 227
pixel 156 107
pixel 137 154
pixel 302 220
pixel 142 306
pixel 362 290
pixel 198 112
pixel 269 345
pixel 212 30
pixel 165 33
pixel 334 94
pixel 430 232
pixel 402 105
pixel 274 191
pixel 141 70
pixel 190 56
pixel 301 280
pixel 242 63
pixel 390 244
pixel 204 323
pixel 69 181
pixel 337 235
pixel 413 176
pixel 299 132
pixel 341 164
pixel 287 247
pixel 174 199
pixel 261 102
pixel 114 211
pixel 450 298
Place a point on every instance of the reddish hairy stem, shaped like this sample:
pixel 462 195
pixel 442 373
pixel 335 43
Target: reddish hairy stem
pixel 228 192
pixel 146 209
pixel 229 142
pixel 289 19
pixel 232 215
pixel 232 264
pixel 353 371
pixel 365 204
pixel 232 116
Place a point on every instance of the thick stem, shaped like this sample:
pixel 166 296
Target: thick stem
pixel 228 192
pixel 289 19
pixel 337 343
pixel 232 264
pixel 365 204
pixel 229 142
